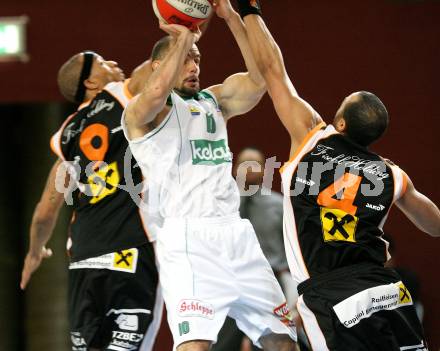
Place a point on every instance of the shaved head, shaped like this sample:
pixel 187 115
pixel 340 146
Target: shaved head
pixel 68 76
pixel 365 116
pixel 161 48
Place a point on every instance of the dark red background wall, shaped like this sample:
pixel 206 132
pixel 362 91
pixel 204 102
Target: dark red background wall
pixel 331 48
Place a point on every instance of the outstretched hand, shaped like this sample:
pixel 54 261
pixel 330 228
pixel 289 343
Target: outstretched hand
pixel 223 8
pixel 31 264
pixel 176 30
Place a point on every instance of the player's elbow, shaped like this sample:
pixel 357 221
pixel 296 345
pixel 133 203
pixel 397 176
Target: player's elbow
pixel 435 227
pixel 431 224
pixel 270 63
pixel 435 230
pixel 259 86
pixel 271 70
pixel 143 109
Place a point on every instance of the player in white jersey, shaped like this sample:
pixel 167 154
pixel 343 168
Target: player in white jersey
pixel 210 262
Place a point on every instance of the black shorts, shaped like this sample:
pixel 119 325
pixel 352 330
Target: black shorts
pixel 360 307
pixel 111 309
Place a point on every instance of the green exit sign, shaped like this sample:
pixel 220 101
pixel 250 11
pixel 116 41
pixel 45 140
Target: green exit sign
pixel 13 38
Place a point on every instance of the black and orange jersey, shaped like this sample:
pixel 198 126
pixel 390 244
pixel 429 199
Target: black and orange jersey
pixel 337 195
pixel 106 217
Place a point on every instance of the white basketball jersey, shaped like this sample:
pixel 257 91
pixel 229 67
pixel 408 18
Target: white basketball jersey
pixel 186 161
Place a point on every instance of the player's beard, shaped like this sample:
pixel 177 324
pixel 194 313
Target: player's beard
pixel 186 91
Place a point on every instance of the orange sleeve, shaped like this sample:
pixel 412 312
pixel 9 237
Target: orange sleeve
pixel 404 182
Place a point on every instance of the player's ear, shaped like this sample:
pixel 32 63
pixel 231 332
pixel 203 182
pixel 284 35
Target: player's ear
pixel 91 84
pixel 155 64
pixel 341 125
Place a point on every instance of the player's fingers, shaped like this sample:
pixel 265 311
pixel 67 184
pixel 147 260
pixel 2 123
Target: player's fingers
pixel 169 29
pixel 47 253
pixel 165 27
pixel 197 33
pixel 24 278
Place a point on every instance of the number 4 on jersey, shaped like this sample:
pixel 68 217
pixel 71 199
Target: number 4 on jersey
pixel 341 193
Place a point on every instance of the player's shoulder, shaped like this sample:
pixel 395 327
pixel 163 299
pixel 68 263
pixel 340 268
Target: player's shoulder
pixel 209 96
pixel 391 164
pixel 119 90
pixel 114 86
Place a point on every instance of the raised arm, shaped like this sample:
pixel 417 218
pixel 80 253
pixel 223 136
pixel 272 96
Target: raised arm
pixel 139 76
pixel 296 114
pixel 43 221
pixel 420 210
pixel 144 107
pixel 240 92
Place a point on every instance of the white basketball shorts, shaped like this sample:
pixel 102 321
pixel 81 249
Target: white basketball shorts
pixel 213 267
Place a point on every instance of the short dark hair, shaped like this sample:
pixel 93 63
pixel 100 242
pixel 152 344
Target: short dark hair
pixel 366 119
pixel 69 75
pixel 161 48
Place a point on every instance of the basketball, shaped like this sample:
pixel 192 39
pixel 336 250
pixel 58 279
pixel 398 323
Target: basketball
pixel 188 13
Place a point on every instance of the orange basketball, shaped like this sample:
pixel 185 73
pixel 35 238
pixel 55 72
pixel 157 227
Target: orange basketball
pixel 188 13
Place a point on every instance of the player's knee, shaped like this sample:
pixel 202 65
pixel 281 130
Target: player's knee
pixel 195 345
pixel 277 342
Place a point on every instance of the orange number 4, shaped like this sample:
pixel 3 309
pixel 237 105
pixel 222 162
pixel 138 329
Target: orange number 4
pixel 349 185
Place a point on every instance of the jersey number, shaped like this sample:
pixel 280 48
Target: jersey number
pixel 210 123
pixel 341 193
pixel 338 213
pixel 94 142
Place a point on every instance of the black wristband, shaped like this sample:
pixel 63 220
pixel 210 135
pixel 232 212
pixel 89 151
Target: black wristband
pixel 249 7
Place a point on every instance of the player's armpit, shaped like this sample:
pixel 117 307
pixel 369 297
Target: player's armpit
pixel 420 210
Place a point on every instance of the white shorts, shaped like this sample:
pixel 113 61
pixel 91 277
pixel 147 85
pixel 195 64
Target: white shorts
pixel 213 267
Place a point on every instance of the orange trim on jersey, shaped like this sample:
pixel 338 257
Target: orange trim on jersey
pixel 295 230
pixel 120 97
pixel 84 104
pixel 52 145
pixel 404 183
pixel 303 144
pixel 127 92
pixel 60 131
pixel 396 171
pixel 295 234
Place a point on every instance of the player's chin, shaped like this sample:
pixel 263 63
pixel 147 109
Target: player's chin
pixel 191 88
